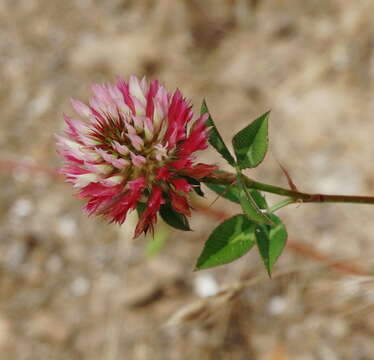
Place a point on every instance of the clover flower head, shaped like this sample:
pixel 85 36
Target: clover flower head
pixel 134 144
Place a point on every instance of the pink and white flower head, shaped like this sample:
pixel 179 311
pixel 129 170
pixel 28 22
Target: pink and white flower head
pixel 132 144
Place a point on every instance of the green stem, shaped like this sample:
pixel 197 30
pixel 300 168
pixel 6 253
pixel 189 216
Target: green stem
pixel 281 204
pixel 226 178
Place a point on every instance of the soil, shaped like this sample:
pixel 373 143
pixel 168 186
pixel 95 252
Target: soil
pixel 73 287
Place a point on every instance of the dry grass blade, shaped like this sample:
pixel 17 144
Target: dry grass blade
pixel 203 311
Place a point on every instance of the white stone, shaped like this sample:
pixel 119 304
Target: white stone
pixel 205 285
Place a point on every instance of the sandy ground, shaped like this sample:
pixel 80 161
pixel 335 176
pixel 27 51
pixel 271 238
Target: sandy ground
pixel 76 288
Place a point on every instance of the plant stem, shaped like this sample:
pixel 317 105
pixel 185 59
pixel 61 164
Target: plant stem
pixel 281 204
pixel 226 178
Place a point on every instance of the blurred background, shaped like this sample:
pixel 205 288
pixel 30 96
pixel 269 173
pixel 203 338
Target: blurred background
pixel 77 288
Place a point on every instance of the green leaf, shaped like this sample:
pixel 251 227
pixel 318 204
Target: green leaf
pixel 249 205
pixel 251 143
pixel 230 240
pixel 173 218
pixel 229 192
pixel 258 198
pixel 215 138
pixel 271 240
pixel 232 193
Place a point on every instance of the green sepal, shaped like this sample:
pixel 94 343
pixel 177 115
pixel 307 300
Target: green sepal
pixel 173 218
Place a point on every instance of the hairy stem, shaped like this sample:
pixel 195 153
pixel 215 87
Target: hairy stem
pixel 226 178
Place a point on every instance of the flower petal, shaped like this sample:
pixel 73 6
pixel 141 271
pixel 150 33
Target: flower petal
pixel 81 108
pixel 148 218
pixel 200 171
pixel 180 203
pixel 138 160
pixel 181 184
